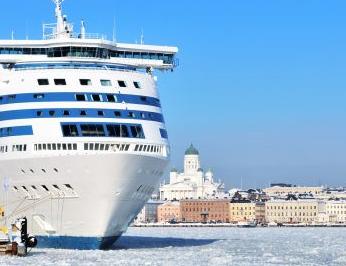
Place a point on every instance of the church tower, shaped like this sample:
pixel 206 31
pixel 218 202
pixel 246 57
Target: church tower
pixel 191 161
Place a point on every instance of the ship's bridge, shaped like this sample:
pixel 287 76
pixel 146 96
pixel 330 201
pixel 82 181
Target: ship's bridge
pixel 61 42
pixel 136 55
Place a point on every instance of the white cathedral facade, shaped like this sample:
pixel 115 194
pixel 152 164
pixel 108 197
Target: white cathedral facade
pixel 193 182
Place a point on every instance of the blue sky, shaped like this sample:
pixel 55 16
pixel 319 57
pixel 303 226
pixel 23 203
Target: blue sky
pixel 260 89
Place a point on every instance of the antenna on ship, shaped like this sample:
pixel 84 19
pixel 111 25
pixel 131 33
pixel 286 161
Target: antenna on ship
pixel 114 39
pixel 59 17
pixel 142 37
pixel 82 30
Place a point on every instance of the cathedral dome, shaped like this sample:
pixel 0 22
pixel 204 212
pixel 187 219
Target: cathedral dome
pixel 191 151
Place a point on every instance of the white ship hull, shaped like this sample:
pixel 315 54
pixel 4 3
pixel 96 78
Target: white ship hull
pixel 83 141
pixel 108 192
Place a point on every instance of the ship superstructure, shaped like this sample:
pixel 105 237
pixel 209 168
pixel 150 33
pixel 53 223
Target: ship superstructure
pixel 82 136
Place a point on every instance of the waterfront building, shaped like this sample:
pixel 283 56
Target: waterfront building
pixel 168 212
pixel 335 211
pixel 292 210
pixel 246 211
pixel 193 182
pixel 205 210
pixel 283 190
pixel 149 214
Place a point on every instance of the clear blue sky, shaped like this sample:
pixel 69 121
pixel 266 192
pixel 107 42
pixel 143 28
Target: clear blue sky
pixel 261 86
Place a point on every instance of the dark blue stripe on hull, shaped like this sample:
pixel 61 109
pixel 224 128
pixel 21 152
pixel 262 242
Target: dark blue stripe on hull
pixel 80 243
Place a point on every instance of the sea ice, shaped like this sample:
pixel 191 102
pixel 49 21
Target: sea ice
pixel 205 246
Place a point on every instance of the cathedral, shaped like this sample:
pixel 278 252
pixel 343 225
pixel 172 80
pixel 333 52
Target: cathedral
pixel 193 182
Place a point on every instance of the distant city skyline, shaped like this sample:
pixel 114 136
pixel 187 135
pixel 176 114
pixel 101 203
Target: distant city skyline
pixel 260 89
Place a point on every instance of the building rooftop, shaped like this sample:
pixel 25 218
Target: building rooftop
pixel 191 151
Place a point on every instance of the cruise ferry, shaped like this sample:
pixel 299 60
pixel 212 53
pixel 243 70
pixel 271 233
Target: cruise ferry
pixel 83 141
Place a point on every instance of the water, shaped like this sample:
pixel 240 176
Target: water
pixel 206 246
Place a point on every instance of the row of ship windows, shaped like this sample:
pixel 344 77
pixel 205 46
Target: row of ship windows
pixel 117 114
pixel 83 130
pixel 44 187
pixel 87 82
pixel 87 147
pixel 80 97
pixel 103 130
pixel 73 51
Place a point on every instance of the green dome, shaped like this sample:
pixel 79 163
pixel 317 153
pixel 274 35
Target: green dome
pixel 191 151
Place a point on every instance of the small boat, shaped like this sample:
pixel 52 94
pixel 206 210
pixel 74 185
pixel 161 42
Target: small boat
pixel 246 224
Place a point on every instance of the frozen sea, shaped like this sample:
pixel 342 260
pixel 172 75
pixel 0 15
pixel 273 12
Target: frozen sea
pixel 206 246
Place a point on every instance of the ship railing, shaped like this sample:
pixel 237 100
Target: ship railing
pixel 93 36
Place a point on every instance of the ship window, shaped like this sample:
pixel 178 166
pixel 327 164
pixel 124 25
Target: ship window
pixel 39 96
pixel 64 146
pixel 124 131
pixel 32 171
pixel 56 170
pixel 92 130
pixel 111 98
pixel 97 146
pixel 45 187
pixel 143 98
pixel 60 81
pixel 122 83
pixel 85 82
pixel 106 82
pixel 163 133
pixel 83 113
pixel 43 170
pixel 142 115
pixel 69 146
pixel 43 82
pixel 86 146
pixel 11 98
pixel 137 85
pixel 74 146
pixel 96 97
pixel 80 97
pixel 66 113
pixel 100 113
pixel 113 130
pixel 56 186
pixel 137 131
pixel 117 114
pixel 131 114
pixel 70 130
pixel 54 146
pixel 68 186
pixel 39 113
pixel 51 113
